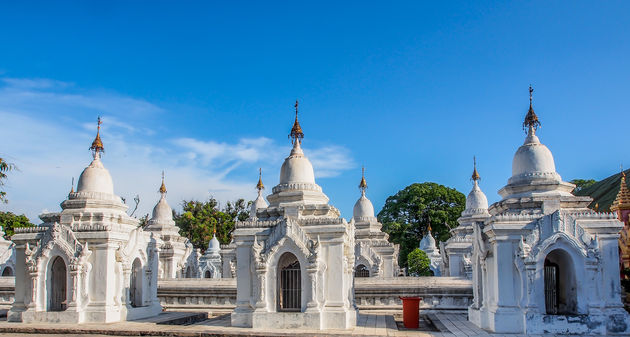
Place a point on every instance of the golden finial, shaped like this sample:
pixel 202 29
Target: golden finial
pixel 622 201
pixel 531 120
pixel 597 207
pixel 363 183
pixel 72 188
pixel 296 131
pixel 429 227
pixel 475 174
pixel 214 229
pixel 260 185
pixel 97 144
pixel 163 186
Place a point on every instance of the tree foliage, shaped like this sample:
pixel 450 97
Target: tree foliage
pixel 407 214
pixel 4 169
pixel 10 221
pixel 199 219
pixel 581 184
pixel 419 263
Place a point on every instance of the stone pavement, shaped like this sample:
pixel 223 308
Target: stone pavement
pixel 449 325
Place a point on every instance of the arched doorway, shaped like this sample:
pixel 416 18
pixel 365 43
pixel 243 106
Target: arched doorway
pixel 560 284
pixel 361 271
pixel 8 271
pixel 135 286
pixel 57 286
pixel 207 274
pixel 289 283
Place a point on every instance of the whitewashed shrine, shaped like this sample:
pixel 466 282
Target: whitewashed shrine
pixel 458 250
pixel 90 262
pixel 374 255
pixel 295 259
pixel 210 265
pixel 545 263
pixel 428 245
pixel 174 249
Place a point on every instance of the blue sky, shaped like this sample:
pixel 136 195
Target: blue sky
pixel 205 91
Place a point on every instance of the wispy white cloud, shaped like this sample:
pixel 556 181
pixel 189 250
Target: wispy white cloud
pixel 44 130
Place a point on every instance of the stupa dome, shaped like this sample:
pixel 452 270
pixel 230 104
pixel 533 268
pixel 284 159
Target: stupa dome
pixel 214 246
pixel 363 208
pixel 427 244
pixel 533 160
pixel 162 212
pixel 476 201
pixel 296 167
pixel 96 178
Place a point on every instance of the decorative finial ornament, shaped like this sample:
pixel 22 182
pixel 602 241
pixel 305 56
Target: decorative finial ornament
pixel 163 186
pixel 531 120
pixel 97 145
pixel 475 174
pixel 214 229
pixel 622 201
pixel 72 188
pixel 296 134
pixel 260 185
pixel 429 227
pixel 363 184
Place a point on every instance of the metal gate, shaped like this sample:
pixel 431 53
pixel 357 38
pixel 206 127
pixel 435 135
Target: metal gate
pixel 133 286
pixel 551 289
pixel 58 284
pixel 290 288
pixel 361 271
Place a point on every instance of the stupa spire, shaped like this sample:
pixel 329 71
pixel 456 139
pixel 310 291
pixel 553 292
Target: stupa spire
pixel 531 119
pixel 72 187
pixel 475 175
pixel 622 201
pixel 162 189
pixel 296 134
pixel 260 185
pixel 363 184
pixel 97 145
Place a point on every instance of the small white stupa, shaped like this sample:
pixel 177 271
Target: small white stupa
pixel 427 245
pixel 544 262
pixel 174 249
pixel 295 257
pixel 459 247
pixel 375 256
pixel 89 263
pixel 210 262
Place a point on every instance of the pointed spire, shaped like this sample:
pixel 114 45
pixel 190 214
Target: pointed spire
pixel 72 187
pixel 97 145
pixel 363 184
pixel 531 120
pixel 214 230
pixel 429 228
pixel 296 134
pixel 475 175
pixel 622 201
pixel 162 189
pixel 260 185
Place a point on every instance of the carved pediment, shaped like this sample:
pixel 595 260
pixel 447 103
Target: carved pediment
pixel 64 239
pixel 547 230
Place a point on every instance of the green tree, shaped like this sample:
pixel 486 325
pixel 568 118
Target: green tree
pixel 407 214
pixel 199 219
pixel 10 221
pixel 4 169
pixel 581 184
pixel 419 263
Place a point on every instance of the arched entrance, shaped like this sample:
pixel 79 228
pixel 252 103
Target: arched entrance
pixel 207 274
pixel 8 271
pixel 289 283
pixel 560 284
pixel 361 271
pixel 135 286
pixel 57 285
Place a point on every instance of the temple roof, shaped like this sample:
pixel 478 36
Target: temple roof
pixel 604 192
pixel 622 201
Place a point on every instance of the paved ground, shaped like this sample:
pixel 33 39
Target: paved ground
pixel 449 325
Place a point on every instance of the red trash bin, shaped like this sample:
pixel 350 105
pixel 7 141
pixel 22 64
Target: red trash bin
pixel 411 312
